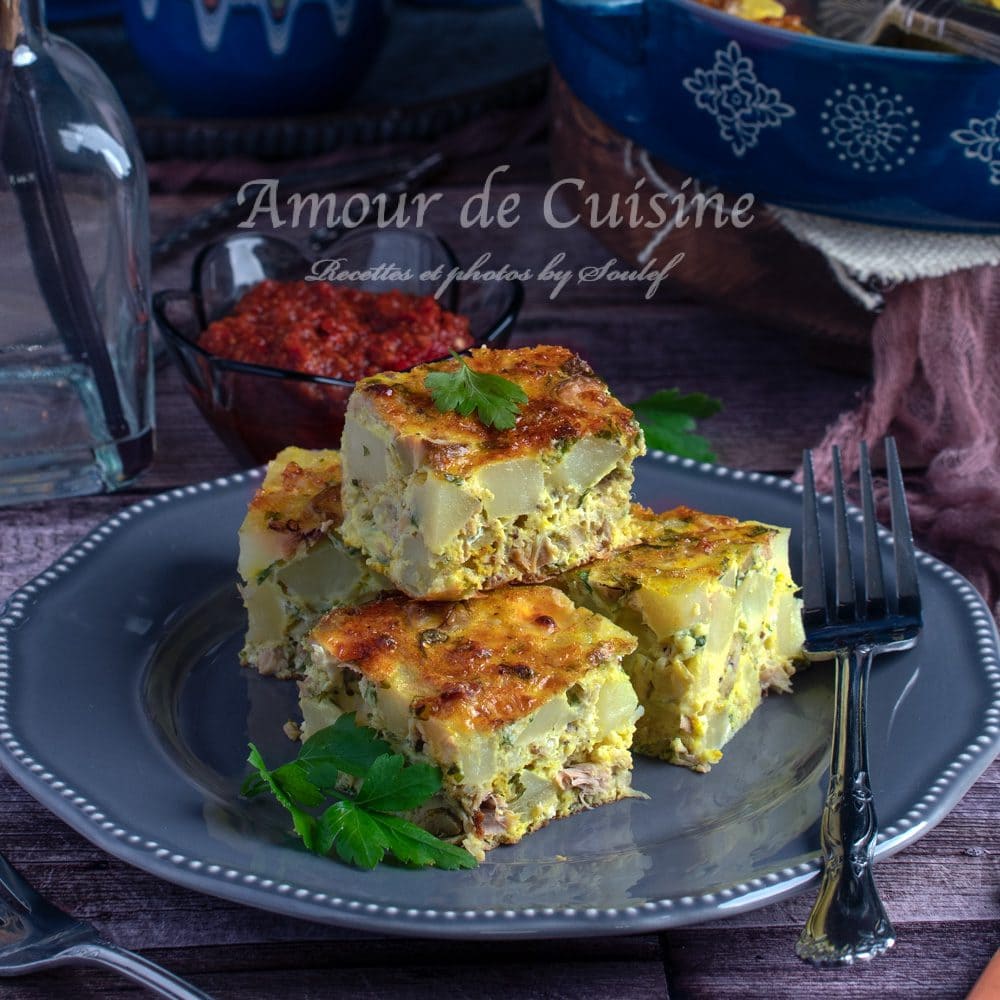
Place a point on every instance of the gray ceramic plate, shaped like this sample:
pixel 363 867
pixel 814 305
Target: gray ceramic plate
pixel 123 709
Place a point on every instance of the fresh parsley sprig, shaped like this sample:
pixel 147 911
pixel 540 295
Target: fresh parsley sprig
pixel 496 400
pixel 668 421
pixel 360 825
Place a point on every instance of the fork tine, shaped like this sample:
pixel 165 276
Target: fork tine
pixel 814 604
pixel 874 580
pixel 846 597
pixel 907 587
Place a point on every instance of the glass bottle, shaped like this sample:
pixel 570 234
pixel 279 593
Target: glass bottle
pixel 76 374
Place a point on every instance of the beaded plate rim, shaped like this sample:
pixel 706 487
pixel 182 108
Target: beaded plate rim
pixel 117 839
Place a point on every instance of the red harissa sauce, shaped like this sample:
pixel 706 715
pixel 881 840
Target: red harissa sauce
pixel 345 333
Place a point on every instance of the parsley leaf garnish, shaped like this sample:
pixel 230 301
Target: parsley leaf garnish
pixel 353 834
pixel 359 824
pixel 414 846
pixel 496 400
pixel 345 746
pixel 668 422
pixel 392 786
pixel 364 838
pixel 305 825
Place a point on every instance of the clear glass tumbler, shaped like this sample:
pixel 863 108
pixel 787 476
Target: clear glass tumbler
pixel 76 373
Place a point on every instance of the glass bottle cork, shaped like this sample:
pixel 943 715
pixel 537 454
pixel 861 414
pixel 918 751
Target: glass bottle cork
pixel 76 374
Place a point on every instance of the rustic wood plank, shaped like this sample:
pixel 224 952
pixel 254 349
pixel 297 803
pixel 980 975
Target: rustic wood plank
pixel 578 979
pixel 31 537
pixel 940 960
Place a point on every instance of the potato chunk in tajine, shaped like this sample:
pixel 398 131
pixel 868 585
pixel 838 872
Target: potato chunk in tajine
pixel 517 696
pixel 445 506
pixel 293 564
pixel 711 601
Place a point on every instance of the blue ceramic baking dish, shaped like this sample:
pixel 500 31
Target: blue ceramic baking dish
pixel 881 135
pixel 259 58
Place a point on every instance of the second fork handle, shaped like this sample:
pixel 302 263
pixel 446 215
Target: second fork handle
pixel 138 968
pixel 848 921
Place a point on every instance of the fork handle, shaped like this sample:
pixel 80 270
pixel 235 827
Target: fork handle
pixel 848 920
pixel 970 28
pixel 136 967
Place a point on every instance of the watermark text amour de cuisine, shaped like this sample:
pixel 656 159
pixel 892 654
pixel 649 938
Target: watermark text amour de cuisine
pixel 492 208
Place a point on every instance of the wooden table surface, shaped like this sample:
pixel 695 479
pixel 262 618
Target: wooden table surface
pixel 942 892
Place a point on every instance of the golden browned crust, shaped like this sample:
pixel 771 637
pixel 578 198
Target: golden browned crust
pixel 566 401
pixel 301 492
pixel 678 544
pixel 648 525
pixel 479 664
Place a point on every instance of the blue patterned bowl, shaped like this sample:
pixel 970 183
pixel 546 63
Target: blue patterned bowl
pixel 256 57
pixel 880 135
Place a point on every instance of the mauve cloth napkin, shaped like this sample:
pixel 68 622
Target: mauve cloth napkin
pixel 936 387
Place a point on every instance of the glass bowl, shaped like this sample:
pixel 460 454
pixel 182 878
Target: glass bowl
pixel 257 410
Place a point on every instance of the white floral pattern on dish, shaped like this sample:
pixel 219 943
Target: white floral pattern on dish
pixel 980 140
pixel 870 128
pixel 733 95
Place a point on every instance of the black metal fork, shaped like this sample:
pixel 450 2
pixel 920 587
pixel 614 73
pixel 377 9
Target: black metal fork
pixel 35 934
pixel 848 920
